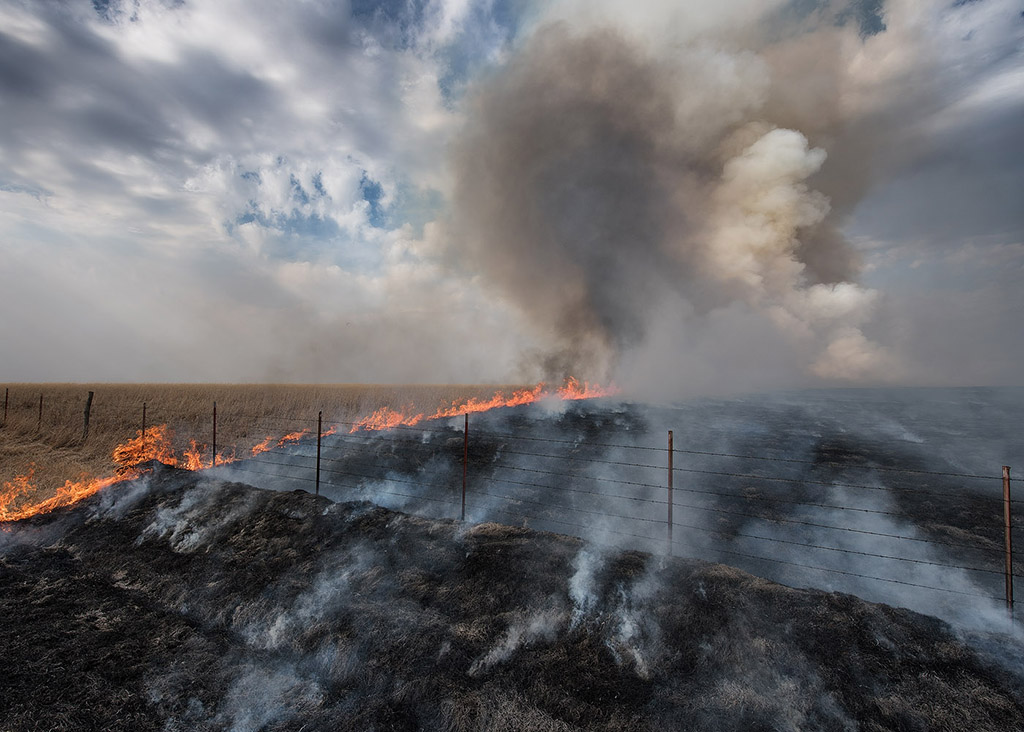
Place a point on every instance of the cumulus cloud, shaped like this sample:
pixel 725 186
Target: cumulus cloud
pixel 227 191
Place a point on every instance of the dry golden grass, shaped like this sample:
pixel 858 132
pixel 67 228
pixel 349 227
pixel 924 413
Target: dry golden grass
pixel 53 447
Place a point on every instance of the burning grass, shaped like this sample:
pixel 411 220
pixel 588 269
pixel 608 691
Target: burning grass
pixel 53 451
pixel 45 456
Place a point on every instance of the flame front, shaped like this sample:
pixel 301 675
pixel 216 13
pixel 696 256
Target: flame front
pixel 13 490
pixel 131 457
pixel 128 458
pixel 262 447
pixel 193 457
pixel 292 437
pixel 573 390
pixel 154 444
pixel 387 418
pixel 70 492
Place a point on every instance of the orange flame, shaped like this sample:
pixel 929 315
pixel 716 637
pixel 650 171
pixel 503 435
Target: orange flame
pixel 386 418
pixel 194 457
pixel 573 390
pixel 13 490
pixel 156 444
pixel 71 492
pixel 128 458
pixel 266 445
pixel 224 458
pixel 262 447
pixel 292 437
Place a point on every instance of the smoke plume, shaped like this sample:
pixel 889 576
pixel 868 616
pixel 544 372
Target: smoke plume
pixel 606 174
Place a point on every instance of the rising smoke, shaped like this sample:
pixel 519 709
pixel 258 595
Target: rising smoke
pixel 619 171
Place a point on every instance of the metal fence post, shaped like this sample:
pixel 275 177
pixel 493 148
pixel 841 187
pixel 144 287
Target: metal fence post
pixel 85 424
pixel 213 460
pixel 39 424
pixel 143 428
pixel 670 501
pixel 1009 540
pixel 7 393
pixel 319 431
pixel 465 463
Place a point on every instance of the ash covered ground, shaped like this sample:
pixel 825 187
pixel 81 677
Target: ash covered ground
pixel 894 495
pixel 181 602
pixel 186 601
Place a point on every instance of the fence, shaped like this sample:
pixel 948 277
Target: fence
pixel 774 513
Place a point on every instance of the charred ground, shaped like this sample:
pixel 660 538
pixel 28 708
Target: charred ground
pixel 181 602
pixel 894 495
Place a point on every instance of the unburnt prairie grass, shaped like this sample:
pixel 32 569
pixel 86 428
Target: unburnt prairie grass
pixel 52 448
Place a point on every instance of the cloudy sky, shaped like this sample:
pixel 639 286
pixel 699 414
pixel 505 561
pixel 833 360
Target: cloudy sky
pixel 681 197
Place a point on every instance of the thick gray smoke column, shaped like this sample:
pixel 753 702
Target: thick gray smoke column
pixel 596 178
pixel 565 186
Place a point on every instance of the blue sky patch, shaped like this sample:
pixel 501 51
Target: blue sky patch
pixel 311 238
pixel 373 193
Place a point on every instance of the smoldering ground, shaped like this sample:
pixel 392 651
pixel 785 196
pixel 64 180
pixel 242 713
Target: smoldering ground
pixel 894 495
pixel 207 605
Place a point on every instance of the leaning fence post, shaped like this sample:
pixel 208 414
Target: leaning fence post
pixel 85 424
pixel 465 463
pixel 213 460
pixel 670 492
pixel 1009 540
pixel 319 431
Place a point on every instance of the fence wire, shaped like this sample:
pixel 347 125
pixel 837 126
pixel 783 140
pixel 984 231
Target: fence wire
pixel 604 504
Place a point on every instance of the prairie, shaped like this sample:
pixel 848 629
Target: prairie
pixel 50 444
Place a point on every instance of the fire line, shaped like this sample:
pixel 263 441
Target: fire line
pixel 132 457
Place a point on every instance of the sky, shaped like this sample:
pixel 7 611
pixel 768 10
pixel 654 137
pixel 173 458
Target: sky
pixel 680 197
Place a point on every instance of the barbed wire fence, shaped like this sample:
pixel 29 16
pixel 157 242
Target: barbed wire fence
pixel 769 511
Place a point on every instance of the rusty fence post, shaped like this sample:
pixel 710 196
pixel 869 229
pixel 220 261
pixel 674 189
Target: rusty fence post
pixel 1009 541
pixel 670 500
pixel 7 394
pixel 465 463
pixel 143 433
pixel 319 431
pixel 213 460
pixel 39 424
pixel 85 422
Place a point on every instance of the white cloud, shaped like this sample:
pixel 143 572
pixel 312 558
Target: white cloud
pixel 221 149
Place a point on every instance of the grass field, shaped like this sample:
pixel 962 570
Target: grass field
pixel 52 448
